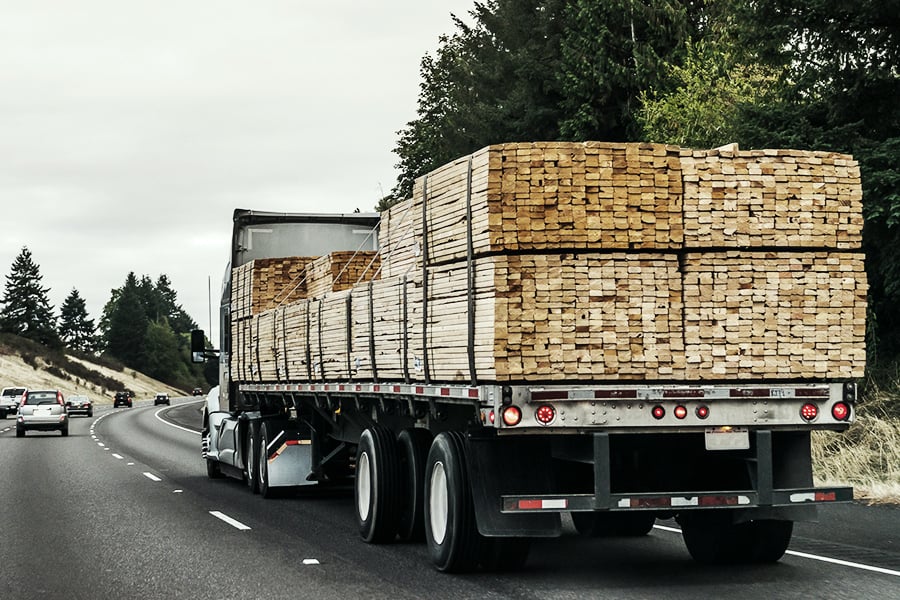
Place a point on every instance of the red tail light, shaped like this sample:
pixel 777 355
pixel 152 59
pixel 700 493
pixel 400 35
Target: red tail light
pixel 658 412
pixel 702 411
pixel 545 414
pixel 840 411
pixel 809 411
pixel 59 399
pixel 680 412
pixel 512 415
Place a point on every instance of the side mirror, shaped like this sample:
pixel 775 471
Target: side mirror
pixel 199 352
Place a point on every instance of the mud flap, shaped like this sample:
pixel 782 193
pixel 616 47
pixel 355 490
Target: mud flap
pixel 289 455
pixel 499 466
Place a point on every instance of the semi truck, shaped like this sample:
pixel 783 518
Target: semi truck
pixel 479 467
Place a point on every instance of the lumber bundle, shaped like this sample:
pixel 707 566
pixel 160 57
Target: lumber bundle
pixel 773 314
pixel 539 196
pixel 585 262
pixel 771 198
pixel 339 271
pixel 559 317
pixel 267 282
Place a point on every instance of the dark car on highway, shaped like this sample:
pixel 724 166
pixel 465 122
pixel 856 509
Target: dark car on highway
pixel 42 410
pixel 122 399
pixel 80 405
pixel 198 391
pixel 161 398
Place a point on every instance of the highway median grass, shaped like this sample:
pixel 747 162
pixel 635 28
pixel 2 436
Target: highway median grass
pixel 867 455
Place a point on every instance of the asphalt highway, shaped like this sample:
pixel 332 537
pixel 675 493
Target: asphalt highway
pixel 122 508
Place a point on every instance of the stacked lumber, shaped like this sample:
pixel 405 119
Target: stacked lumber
pixel 774 313
pixel 395 350
pixel 267 282
pixel 771 198
pixel 591 263
pixel 559 317
pixel 539 196
pixel 339 271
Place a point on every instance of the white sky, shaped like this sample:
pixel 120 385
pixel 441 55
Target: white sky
pixel 131 129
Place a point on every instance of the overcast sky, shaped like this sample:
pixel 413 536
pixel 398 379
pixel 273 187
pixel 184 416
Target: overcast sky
pixel 131 129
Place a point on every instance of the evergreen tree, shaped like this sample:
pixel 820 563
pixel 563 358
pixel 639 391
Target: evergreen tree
pixel 613 51
pixel 75 329
pixel 127 324
pixel 162 356
pixel 494 81
pixel 26 308
pixel 178 319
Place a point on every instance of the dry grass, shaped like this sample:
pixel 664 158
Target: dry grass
pixel 866 456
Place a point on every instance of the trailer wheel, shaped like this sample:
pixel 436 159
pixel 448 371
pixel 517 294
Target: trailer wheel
pixel 454 544
pixel 262 473
pixel 250 458
pixel 769 539
pixel 377 485
pixel 414 445
pixel 715 540
pixel 621 524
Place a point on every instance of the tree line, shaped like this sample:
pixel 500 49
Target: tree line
pixel 795 74
pixel 143 327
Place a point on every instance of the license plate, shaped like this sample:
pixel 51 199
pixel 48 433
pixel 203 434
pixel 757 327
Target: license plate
pixel 727 438
pixel 43 412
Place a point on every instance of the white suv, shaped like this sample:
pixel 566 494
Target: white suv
pixel 10 398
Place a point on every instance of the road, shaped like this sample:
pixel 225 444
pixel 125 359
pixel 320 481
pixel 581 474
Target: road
pixel 122 508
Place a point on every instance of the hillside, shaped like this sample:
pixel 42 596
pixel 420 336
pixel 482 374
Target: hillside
pixel 14 371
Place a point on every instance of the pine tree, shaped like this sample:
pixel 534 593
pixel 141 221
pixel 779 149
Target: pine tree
pixel 75 329
pixel 126 324
pixel 26 308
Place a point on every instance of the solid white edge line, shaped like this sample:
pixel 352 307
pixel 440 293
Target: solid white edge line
pixel 151 476
pixel 836 561
pixel 234 523
pixel 844 563
pixel 161 420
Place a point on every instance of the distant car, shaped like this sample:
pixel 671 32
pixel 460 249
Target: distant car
pixel 198 391
pixel 42 410
pixel 81 405
pixel 122 399
pixel 10 399
pixel 161 399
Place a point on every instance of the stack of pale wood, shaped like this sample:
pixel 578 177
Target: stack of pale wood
pixel 593 262
pixel 340 271
pixel 267 282
pixel 771 198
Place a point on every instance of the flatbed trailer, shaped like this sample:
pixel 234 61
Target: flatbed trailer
pixel 477 468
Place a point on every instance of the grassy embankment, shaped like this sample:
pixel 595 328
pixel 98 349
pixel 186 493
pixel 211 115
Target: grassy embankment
pixel 866 456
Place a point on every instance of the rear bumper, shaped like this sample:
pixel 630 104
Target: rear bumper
pixel 676 502
pixel 42 424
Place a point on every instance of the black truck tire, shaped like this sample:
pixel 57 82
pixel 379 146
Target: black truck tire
pixel 377 485
pixel 250 458
pixel 714 540
pixel 414 446
pixel 454 544
pixel 262 455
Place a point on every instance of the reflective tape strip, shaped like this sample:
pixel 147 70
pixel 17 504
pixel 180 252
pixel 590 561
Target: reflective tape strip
pixel 692 501
pixel 537 504
pixel 804 497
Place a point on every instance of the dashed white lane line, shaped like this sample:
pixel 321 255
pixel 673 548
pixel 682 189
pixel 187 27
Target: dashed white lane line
pixel 311 561
pixel 234 523
pixel 834 561
pixel 118 456
pixel 151 476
